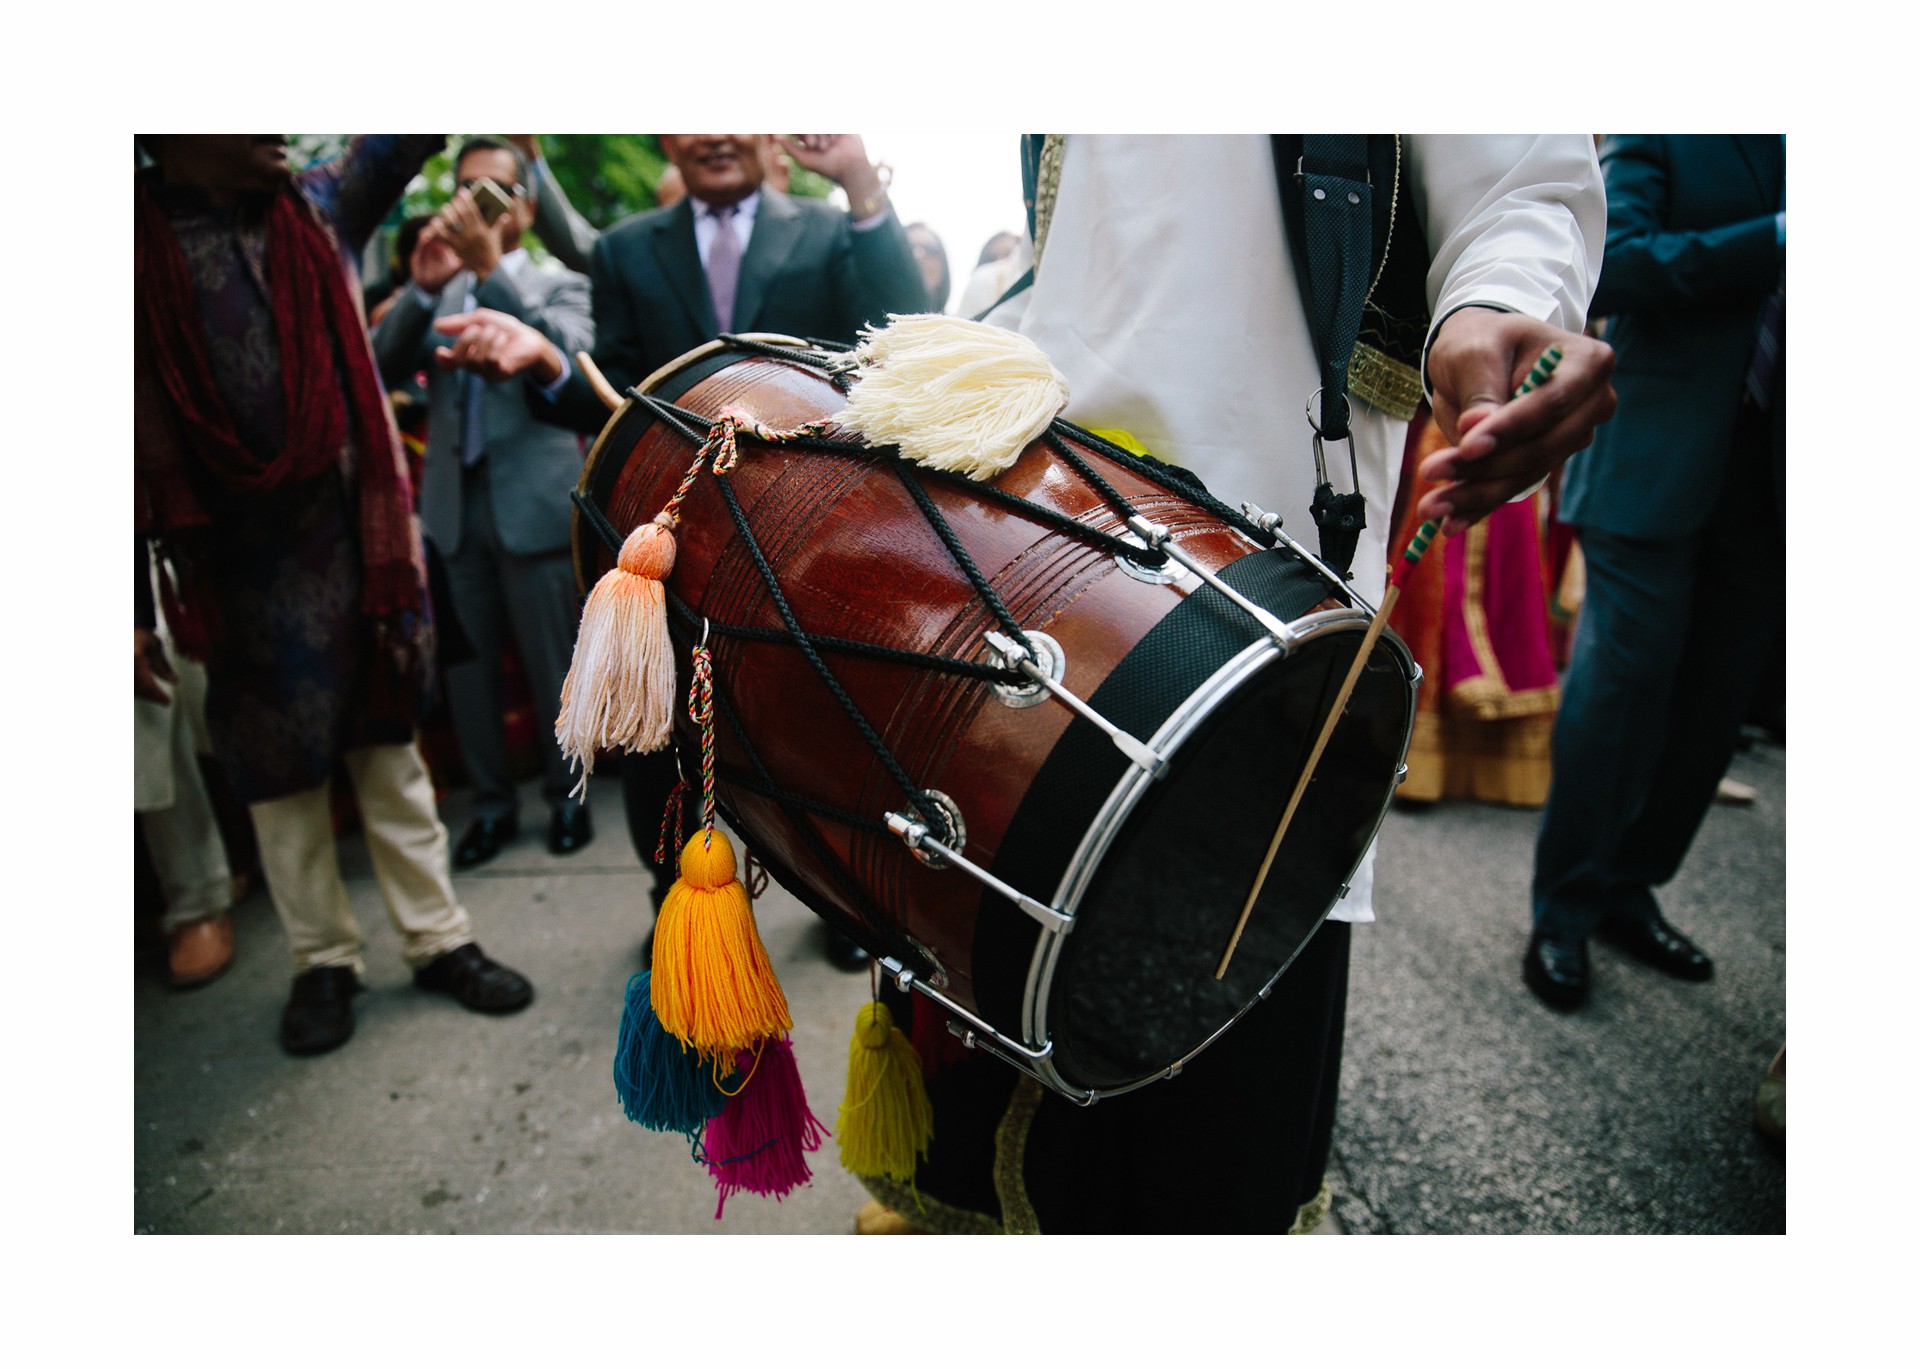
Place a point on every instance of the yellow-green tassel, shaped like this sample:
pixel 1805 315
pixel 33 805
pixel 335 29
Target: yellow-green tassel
pixel 886 1120
pixel 713 985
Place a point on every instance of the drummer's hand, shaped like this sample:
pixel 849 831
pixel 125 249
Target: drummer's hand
pixel 150 666
pixel 497 346
pixel 1504 446
pixel 840 157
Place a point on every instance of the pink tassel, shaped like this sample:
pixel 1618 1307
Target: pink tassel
pixel 759 1141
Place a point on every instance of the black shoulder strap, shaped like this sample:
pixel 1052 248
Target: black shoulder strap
pixel 1329 189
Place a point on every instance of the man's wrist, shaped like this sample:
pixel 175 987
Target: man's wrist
pixel 866 193
pixel 551 371
pixel 1433 336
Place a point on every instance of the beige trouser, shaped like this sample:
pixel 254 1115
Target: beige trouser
pixel 176 814
pixel 408 844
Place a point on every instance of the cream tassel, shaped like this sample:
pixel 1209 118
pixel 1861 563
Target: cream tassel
pixel 952 394
pixel 619 690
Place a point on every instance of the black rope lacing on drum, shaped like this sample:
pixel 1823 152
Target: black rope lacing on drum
pixel 695 428
pixel 962 557
pixel 840 375
pixel 950 665
pixel 1175 479
pixel 923 805
pixel 796 807
pixel 680 420
pixel 608 534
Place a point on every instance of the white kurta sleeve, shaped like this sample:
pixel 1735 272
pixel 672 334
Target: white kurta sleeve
pixel 1516 221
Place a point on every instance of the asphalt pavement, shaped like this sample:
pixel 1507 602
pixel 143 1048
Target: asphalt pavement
pixel 1466 1106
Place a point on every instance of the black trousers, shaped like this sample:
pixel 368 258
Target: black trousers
pixel 1673 640
pixel 1237 1143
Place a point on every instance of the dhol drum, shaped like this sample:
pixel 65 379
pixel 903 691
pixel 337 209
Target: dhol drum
pixel 1026 741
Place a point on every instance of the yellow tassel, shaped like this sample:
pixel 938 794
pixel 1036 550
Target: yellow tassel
pixel 886 1120
pixel 619 690
pixel 713 985
pixel 952 394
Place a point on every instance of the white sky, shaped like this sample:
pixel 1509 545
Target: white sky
pixel 964 186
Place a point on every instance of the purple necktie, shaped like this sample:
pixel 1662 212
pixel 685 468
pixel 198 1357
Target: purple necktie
pixel 723 267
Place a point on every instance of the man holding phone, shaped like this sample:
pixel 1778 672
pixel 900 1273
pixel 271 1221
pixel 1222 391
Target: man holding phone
pixel 494 490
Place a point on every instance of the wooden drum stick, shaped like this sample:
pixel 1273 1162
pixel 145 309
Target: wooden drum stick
pixel 1411 558
pixel 608 395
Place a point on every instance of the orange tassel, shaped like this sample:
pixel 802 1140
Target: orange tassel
pixel 619 690
pixel 713 985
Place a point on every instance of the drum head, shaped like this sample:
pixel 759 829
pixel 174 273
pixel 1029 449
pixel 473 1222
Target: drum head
pixel 1134 990
pixel 1156 873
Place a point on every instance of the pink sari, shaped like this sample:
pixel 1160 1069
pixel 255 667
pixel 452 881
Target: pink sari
pixel 1478 623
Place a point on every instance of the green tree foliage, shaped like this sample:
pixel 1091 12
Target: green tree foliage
pixel 607 176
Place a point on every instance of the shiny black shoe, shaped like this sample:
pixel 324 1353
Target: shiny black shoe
pixel 571 828
pixel 474 981
pixel 319 1015
pixel 1652 940
pixel 843 953
pixel 1555 968
pixel 483 841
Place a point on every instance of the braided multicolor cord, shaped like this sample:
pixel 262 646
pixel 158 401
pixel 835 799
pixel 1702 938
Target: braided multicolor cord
pixel 700 709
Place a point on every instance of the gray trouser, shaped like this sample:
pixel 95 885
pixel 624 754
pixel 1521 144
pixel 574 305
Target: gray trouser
pixel 495 591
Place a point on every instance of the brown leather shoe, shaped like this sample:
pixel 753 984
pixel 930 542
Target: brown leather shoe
pixel 199 952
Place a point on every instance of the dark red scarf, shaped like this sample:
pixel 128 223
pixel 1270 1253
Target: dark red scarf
pixel 312 307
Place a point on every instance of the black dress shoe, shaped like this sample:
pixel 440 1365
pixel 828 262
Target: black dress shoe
pixel 572 827
pixel 843 953
pixel 474 981
pixel 1555 969
pixel 1654 941
pixel 483 841
pixel 319 1015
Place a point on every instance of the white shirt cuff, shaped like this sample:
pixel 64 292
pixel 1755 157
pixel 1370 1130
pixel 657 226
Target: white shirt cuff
pixel 550 392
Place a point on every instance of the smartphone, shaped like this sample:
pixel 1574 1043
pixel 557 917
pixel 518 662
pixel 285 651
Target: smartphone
pixel 492 200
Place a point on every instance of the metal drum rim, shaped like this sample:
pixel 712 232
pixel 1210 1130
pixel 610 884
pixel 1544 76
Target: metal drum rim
pixel 1239 670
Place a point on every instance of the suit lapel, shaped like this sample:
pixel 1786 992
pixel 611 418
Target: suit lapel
pixel 679 257
pixel 776 228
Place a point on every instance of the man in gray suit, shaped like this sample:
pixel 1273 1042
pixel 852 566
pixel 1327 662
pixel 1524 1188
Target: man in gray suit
pixel 735 256
pixel 1680 513
pixel 494 495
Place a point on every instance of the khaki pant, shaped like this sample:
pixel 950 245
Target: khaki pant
pixel 176 815
pixel 408 844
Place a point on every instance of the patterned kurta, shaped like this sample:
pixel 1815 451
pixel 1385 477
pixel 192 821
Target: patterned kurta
pixel 289 664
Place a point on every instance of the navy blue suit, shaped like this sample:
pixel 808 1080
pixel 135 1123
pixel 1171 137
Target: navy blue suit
pixel 1678 506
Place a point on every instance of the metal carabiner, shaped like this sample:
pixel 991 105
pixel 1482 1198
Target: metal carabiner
pixel 1319 443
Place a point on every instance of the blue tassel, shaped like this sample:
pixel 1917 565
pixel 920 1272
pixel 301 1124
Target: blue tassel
pixel 662 1085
